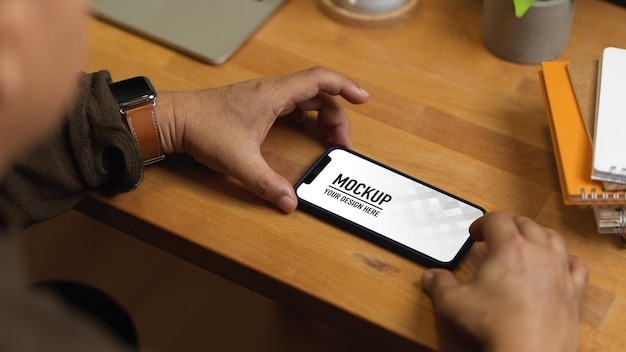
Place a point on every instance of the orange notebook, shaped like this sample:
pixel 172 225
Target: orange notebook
pixel 572 148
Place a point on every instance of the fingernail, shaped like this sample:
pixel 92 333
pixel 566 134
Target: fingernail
pixel 365 92
pixel 287 204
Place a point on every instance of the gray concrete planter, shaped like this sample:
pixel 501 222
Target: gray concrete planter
pixel 540 35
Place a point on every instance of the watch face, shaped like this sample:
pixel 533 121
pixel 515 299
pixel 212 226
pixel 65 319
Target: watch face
pixel 133 91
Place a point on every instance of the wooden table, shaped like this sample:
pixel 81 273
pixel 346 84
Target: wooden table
pixel 442 109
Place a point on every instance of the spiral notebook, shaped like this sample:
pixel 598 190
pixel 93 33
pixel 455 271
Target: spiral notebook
pixel 609 151
pixel 584 78
pixel 572 148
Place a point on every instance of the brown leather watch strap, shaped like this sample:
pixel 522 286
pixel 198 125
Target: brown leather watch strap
pixel 143 125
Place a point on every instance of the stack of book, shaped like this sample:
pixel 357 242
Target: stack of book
pixel 586 109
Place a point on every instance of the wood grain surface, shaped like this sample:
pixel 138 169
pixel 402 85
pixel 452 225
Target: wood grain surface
pixel 442 109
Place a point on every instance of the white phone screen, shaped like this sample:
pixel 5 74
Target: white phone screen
pixel 391 204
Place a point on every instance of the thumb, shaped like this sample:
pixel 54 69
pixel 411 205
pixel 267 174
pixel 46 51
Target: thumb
pixel 437 281
pixel 261 179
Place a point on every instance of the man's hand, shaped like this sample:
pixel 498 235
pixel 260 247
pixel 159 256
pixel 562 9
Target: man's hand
pixel 524 297
pixel 224 128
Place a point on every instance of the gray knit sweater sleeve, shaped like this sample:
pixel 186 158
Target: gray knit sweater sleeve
pixel 93 151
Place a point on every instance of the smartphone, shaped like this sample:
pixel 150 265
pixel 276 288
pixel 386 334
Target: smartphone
pixel 388 207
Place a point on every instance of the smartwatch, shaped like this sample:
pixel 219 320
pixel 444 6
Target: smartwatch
pixel 137 102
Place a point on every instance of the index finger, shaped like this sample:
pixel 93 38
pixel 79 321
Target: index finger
pixel 304 85
pixel 494 228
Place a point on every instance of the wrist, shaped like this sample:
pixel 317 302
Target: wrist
pixel 166 117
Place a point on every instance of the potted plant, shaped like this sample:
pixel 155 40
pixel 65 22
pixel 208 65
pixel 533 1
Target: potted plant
pixel 521 6
pixel 527 31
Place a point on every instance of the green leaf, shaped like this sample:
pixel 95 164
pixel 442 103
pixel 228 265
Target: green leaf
pixel 521 6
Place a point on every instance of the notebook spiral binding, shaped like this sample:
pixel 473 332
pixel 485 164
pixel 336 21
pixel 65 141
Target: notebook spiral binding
pixel 616 174
pixel 611 220
pixel 596 198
